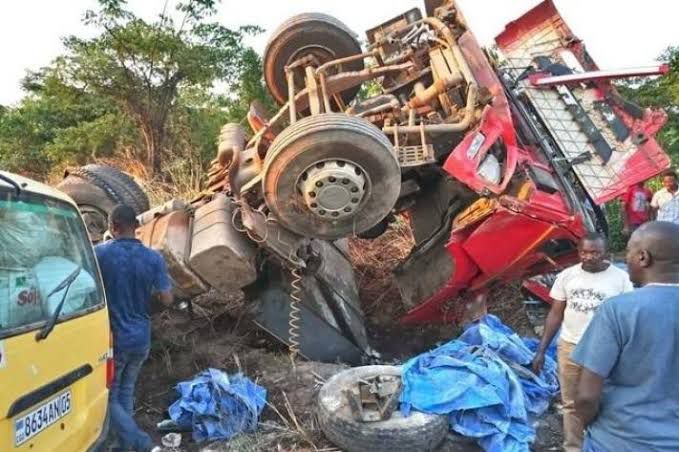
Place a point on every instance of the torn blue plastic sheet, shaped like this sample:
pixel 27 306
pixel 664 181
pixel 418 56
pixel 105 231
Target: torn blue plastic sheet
pixel 216 406
pixel 483 382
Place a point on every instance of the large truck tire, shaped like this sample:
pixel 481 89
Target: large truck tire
pixel 97 189
pixel 331 176
pixel 115 182
pixel 320 35
pixel 417 432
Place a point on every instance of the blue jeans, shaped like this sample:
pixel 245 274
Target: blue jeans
pixel 121 400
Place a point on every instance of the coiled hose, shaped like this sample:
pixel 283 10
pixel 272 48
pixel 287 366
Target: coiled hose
pixel 295 317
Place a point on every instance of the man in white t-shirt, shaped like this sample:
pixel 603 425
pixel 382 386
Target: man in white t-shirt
pixel 577 293
pixel 669 191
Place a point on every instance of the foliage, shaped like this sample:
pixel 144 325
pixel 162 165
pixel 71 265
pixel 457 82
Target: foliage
pixel 661 92
pixel 56 123
pixel 616 239
pixel 141 66
pixel 138 89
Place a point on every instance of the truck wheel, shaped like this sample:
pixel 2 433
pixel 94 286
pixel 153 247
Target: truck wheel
pixel 97 189
pixel 330 176
pixel 320 35
pixel 417 432
pixel 93 202
pixel 119 186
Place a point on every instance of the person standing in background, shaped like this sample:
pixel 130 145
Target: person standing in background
pixel 577 293
pixel 636 207
pixel 667 193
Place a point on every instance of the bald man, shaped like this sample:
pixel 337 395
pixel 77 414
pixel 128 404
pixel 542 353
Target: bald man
pixel 628 394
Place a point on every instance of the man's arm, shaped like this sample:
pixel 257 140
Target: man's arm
pixel 166 298
pixel 588 396
pixel 163 285
pixel 552 325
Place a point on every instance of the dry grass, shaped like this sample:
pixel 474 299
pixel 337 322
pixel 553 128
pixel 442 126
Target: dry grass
pixel 374 261
pixel 181 177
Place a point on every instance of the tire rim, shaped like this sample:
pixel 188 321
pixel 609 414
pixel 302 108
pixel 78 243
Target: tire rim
pixel 320 53
pixel 96 221
pixel 334 189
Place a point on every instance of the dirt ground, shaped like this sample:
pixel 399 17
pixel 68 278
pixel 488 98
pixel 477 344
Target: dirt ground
pixel 220 336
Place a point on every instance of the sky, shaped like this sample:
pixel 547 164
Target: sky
pixel 618 33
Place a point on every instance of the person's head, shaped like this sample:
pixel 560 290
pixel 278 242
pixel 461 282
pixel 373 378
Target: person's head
pixel 122 221
pixel 669 180
pixel 653 253
pixel 593 251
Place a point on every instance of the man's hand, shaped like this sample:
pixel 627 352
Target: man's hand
pixel 538 363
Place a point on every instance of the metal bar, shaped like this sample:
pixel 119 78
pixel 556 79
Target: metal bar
pixel 324 89
pixel 443 128
pixel 323 67
pixel 291 96
pixel 592 76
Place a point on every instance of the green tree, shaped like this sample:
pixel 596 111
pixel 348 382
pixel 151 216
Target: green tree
pixel 142 66
pixel 56 123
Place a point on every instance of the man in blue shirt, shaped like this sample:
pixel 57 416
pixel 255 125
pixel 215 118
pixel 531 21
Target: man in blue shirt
pixel 628 395
pixel 132 275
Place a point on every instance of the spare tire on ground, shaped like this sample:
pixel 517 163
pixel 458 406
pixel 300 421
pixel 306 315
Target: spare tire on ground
pixel 417 432
pixel 97 189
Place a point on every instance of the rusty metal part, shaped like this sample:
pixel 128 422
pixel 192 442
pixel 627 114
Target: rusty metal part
pixel 313 91
pixel 345 80
pixel 325 66
pixel 374 399
pixel 258 119
pixel 427 95
pixel 459 126
pixel 333 188
pixel 374 105
pixel 292 106
pixel 443 65
pixel 231 143
pixel 163 209
pixel 231 136
pixel 170 235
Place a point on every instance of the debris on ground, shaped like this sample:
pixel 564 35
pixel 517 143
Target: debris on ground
pixel 483 382
pixel 220 335
pixel 217 406
pixel 171 440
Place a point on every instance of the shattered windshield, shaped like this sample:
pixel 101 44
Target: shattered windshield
pixel 42 242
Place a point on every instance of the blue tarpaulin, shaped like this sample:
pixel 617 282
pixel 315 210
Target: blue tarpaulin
pixel 483 382
pixel 217 406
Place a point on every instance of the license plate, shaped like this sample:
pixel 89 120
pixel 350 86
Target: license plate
pixel 29 425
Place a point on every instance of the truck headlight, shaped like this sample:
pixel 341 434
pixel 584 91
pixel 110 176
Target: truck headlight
pixel 490 170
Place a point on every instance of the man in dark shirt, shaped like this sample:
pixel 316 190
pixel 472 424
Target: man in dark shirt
pixel 132 275
pixel 628 396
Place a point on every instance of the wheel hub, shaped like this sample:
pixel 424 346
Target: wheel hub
pixel 333 189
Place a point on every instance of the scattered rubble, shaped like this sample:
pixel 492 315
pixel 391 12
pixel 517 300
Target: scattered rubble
pixel 221 335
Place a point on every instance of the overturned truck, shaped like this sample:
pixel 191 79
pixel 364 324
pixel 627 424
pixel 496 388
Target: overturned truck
pixel 499 165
